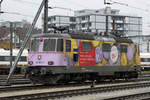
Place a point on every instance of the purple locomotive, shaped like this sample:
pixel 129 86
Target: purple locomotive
pixel 62 58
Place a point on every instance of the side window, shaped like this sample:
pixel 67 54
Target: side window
pixel 106 47
pixel 68 45
pixel 86 46
pixel 7 58
pixel 60 45
pixel 145 59
pixel 49 45
pixel 4 58
pixel 123 48
pixel 35 45
pixel 22 58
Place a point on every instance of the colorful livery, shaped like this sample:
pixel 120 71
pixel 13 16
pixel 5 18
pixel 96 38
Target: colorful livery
pixel 79 57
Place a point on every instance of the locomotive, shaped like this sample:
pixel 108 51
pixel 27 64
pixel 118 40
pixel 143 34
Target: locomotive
pixel 63 58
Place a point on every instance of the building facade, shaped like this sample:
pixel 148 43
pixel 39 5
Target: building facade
pixel 58 21
pixel 98 21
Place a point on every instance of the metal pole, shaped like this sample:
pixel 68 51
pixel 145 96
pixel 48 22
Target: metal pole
pixel 25 40
pixel 104 2
pixel 106 25
pixel 46 16
pixel 0 6
pixel 14 38
pixel 148 46
pixel 11 33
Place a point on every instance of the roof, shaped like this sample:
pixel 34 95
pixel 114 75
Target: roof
pixel 86 36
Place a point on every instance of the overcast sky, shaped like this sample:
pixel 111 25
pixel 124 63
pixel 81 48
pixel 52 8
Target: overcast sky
pixel 28 9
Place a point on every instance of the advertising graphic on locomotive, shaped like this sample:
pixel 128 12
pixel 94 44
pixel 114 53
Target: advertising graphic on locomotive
pixel 57 58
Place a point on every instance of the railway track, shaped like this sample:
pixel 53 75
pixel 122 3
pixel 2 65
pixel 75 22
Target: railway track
pixel 14 80
pixel 21 80
pixel 19 87
pixel 140 96
pixel 76 92
pixel 67 93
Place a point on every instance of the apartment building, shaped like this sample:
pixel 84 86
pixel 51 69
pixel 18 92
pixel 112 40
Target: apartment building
pixel 61 21
pixel 89 20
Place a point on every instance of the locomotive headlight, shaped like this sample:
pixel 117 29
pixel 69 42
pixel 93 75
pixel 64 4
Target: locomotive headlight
pixel 50 63
pixel 30 62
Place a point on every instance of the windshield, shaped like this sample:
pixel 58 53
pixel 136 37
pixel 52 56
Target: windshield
pixel 53 45
pixel 35 45
pixel 49 45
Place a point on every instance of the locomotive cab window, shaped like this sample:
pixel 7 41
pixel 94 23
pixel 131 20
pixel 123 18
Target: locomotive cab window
pixel 123 48
pixel 49 45
pixel 35 44
pixel 86 46
pixel 106 47
pixel 68 45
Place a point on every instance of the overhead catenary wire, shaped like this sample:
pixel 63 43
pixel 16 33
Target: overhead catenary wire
pixel 16 13
pixel 61 8
pixel 28 2
pixel 76 3
pixel 124 4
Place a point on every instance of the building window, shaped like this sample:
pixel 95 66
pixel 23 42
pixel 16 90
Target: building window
pixel 89 24
pixel 97 11
pixel 113 12
pixel 83 24
pixel 49 19
pixel 72 26
pixel 83 18
pixel 53 18
pixel 72 19
pixel 81 11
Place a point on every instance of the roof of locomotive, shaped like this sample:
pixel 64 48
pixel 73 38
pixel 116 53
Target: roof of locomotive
pixel 86 37
pixel 51 35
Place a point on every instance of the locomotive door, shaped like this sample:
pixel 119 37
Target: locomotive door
pixel 86 53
